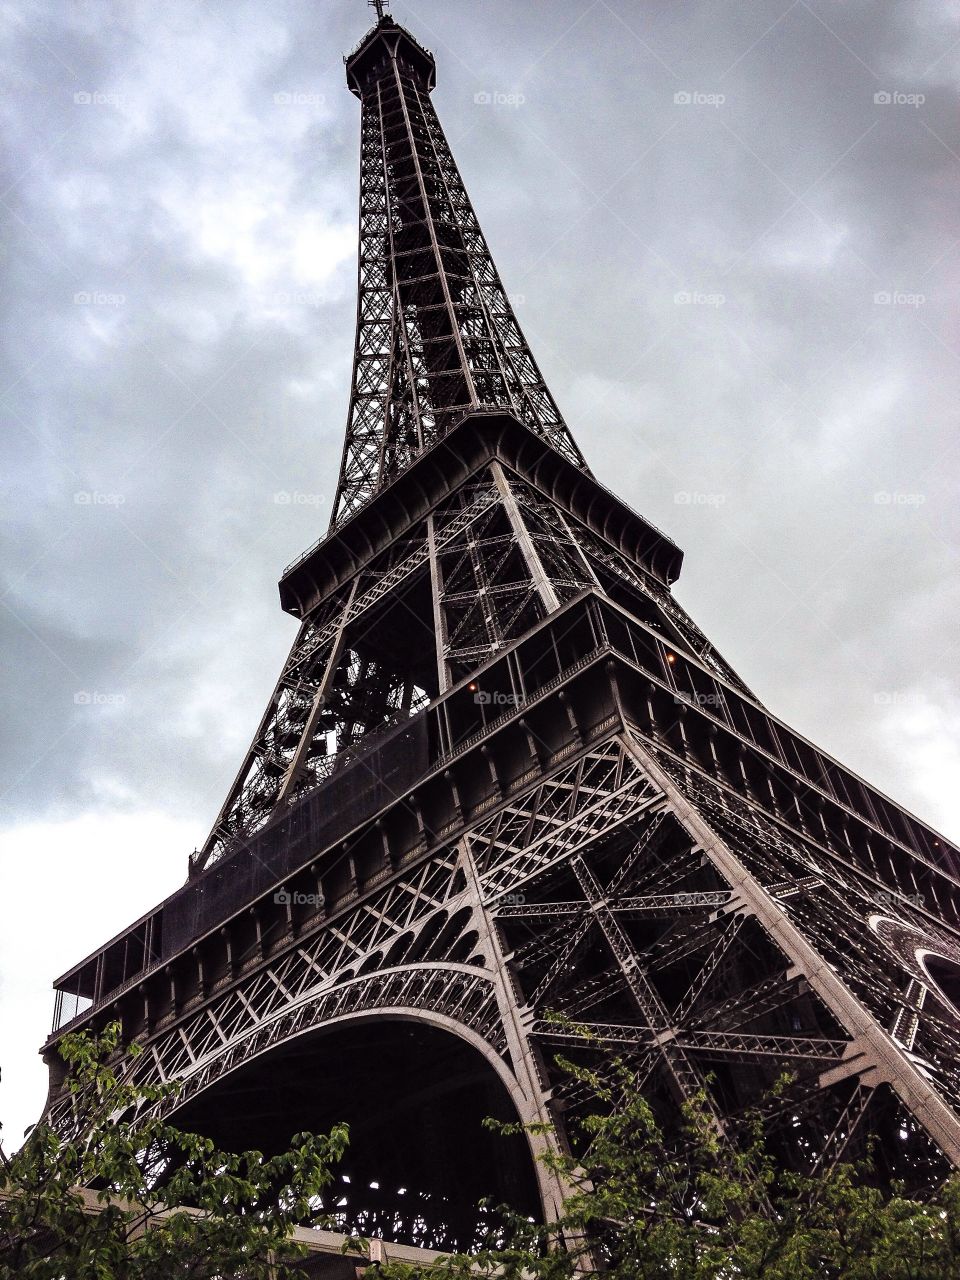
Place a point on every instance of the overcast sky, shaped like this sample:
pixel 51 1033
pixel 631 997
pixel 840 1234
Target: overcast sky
pixel 732 234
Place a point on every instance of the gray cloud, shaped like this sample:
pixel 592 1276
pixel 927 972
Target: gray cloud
pixel 699 278
pixel 744 303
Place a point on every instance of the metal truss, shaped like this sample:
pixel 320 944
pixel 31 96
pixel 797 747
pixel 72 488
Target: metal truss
pixel 614 571
pixel 436 334
pixel 827 924
pixel 482 570
pixel 329 700
pixel 603 829
pixel 590 894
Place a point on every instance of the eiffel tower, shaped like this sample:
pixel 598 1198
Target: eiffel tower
pixel 503 775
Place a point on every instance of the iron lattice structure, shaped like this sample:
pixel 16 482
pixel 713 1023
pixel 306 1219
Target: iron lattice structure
pixel 503 774
pixel 436 333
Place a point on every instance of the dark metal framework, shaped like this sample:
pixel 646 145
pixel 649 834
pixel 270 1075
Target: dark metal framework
pixel 503 773
pixel 436 334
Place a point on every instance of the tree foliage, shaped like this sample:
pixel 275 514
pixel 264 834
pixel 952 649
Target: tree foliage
pixel 641 1204
pixel 171 1205
pixel 641 1207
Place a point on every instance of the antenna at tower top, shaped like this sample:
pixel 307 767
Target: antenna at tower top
pixel 378 5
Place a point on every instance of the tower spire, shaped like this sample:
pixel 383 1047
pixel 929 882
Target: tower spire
pixel 504 775
pixel 378 5
pixel 437 336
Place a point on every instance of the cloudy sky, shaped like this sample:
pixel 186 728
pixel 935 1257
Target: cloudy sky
pixel 732 234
